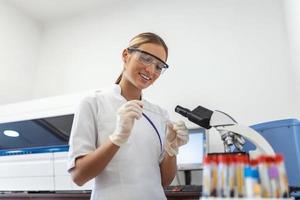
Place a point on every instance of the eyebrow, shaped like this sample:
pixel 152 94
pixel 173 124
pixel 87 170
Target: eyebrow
pixel 136 49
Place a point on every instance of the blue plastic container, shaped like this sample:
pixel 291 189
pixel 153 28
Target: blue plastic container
pixel 284 137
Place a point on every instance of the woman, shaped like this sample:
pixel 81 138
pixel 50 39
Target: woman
pixel 123 141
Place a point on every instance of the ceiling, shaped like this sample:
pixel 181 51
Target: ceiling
pixel 47 10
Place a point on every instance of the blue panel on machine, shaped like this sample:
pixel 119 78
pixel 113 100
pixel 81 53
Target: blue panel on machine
pixel 284 137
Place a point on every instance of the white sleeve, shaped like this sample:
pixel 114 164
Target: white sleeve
pixel 83 136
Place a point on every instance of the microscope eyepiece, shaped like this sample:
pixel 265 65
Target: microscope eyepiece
pixel 199 115
pixel 181 110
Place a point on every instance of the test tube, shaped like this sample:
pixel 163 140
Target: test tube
pixel 241 161
pixel 214 181
pixel 207 176
pixel 274 177
pixel 222 174
pixel 227 178
pixel 264 177
pixel 249 182
pixel 283 180
pixel 231 175
pixel 256 185
pixel 255 178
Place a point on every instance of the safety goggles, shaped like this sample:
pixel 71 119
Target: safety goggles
pixel 148 59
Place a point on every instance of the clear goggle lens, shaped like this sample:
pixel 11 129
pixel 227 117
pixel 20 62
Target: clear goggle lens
pixel 149 59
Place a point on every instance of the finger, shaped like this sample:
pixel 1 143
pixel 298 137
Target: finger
pixel 170 125
pixel 179 128
pixel 134 113
pixel 182 136
pixel 182 132
pixel 136 103
pixel 137 106
pixel 180 123
pixel 126 110
pixel 171 134
pixel 134 107
pixel 172 150
pixel 129 111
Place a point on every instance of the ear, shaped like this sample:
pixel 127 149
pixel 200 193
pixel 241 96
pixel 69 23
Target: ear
pixel 125 56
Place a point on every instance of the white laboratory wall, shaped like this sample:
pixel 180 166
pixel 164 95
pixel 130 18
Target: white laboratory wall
pixel 229 55
pixel 292 17
pixel 19 39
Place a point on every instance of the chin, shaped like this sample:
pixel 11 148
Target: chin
pixel 143 86
pixel 140 84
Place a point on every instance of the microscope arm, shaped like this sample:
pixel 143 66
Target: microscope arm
pixel 263 147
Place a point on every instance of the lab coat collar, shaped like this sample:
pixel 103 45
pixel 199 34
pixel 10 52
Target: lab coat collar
pixel 117 92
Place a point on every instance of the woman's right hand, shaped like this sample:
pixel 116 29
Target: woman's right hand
pixel 126 116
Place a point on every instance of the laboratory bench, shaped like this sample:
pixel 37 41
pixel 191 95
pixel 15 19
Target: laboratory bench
pixel 178 195
pixel 45 196
pixel 190 192
pixel 171 195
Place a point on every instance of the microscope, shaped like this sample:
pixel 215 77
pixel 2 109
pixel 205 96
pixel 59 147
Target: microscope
pixel 232 133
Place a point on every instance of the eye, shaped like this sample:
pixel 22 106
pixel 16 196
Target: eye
pixel 159 67
pixel 146 58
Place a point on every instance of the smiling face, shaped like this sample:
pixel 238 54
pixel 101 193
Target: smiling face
pixel 136 73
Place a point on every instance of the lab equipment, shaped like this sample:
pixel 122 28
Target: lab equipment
pixel 284 136
pixel 231 132
pixel 247 179
pixel 206 176
pixel 37 159
pixel 35 135
pixel 283 180
pixel 249 182
pixel 190 156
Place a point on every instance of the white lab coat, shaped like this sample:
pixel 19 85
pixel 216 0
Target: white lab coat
pixel 133 173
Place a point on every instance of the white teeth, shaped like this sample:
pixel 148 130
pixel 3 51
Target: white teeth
pixel 145 77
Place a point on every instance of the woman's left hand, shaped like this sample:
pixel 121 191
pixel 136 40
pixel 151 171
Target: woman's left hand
pixel 177 135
